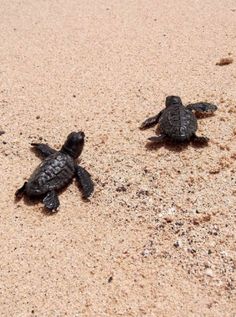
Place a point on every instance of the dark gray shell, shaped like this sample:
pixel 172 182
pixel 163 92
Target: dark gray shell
pixel 54 172
pixel 178 123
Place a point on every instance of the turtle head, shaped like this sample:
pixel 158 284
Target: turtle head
pixel 173 100
pixel 74 144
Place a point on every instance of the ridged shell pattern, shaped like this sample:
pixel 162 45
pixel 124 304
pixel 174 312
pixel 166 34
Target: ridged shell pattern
pixel 53 173
pixel 178 123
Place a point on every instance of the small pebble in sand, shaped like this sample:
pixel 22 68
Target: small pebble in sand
pixel 142 192
pixel 121 188
pixel 224 254
pixel 2 132
pixel 145 252
pixel 110 279
pixel 209 272
pixel 178 244
pixel 225 61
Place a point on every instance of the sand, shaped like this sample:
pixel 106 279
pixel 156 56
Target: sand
pixel 158 236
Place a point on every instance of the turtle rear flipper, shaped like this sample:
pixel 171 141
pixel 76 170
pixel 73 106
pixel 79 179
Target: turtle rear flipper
pixel 84 179
pixel 51 201
pixel 157 138
pixel 43 149
pixel 20 192
pixel 202 107
pixel 199 140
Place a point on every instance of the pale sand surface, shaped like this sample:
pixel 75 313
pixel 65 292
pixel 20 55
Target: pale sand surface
pixel 161 222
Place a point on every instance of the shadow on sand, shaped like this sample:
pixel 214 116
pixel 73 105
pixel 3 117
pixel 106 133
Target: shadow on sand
pixel 31 201
pixel 173 146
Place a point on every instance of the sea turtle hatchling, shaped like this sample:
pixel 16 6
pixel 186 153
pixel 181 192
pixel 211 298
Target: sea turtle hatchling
pixel 56 171
pixel 178 122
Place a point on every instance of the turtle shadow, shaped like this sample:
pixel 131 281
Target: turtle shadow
pixel 173 146
pixel 36 200
pixel 199 145
pixel 33 201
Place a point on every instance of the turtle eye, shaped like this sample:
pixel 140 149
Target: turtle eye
pixel 81 135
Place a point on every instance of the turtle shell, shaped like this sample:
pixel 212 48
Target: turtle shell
pixel 53 173
pixel 178 123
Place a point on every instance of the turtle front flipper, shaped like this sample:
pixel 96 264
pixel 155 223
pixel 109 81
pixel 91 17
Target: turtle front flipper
pixel 51 201
pixel 150 122
pixel 43 149
pixel 202 107
pixel 20 192
pixel 84 179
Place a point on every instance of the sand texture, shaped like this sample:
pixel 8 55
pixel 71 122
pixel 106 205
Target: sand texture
pixel 157 238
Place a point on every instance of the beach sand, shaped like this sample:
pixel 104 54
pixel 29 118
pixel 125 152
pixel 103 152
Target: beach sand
pixel 158 236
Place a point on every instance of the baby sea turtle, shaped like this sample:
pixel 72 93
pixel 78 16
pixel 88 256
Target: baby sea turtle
pixel 178 122
pixel 56 171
